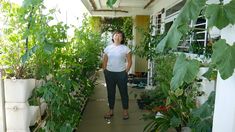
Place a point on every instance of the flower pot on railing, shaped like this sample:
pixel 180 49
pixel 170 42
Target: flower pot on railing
pixel 18 90
pixel 34 114
pixel 17 118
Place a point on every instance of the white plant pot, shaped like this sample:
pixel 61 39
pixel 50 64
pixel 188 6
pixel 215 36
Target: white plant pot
pixel 34 114
pixel 202 70
pixel 186 129
pixel 17 116
pixel 39 83
pixel 18 90
pixel 43 107
pixel 206 86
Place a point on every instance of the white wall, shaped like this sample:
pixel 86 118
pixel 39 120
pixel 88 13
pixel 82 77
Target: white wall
pixel 224 113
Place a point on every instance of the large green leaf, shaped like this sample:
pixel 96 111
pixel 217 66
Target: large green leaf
pixel 110 3
pixel 29 53
pixel 190 11
pixel 230 11
pixel 224 58
pixel 184 71
pixel 216 16
pixel 220 15
pixel 175 121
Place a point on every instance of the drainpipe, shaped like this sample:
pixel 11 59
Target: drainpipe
pixel 224 112
pixel 132 70
pixel 2 105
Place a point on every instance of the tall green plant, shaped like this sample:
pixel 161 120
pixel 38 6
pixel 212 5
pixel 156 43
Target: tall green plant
pixel 27 35
pixel 72 67
pixel 69 63
pixel 147 46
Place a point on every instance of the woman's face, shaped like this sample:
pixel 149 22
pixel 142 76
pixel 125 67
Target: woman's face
pixel 117 38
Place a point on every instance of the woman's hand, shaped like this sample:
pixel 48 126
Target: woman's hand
pixel 129 62
pixel 105 61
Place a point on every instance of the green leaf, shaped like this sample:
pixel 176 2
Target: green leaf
pixel 190 11
pixel 49 48
pixel 216 16
pixel 168 101
pixel 210 74
pixel 59 44
pixel 110 3
pixel 230 11
pixel 179 92
pixel 175 122
pixel 28 54
pixel 184 71
pixel 184 28
pixel 220 15
pixel 223 58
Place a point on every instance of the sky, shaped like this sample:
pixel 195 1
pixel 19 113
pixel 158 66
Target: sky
pixel 70 10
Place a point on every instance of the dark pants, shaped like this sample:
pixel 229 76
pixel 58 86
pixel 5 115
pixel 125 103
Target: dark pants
pixel 120 79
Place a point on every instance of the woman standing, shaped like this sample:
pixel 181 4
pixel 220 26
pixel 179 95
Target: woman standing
pixel 117 62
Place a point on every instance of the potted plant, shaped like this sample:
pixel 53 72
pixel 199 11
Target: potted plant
pixel 27 38
pixel 14 46
pixel 143 100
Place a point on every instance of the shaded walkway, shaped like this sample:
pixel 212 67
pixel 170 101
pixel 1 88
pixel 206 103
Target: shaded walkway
pixel 93 121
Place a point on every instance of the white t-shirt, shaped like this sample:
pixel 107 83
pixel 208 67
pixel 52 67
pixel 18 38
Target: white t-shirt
pixel 116 57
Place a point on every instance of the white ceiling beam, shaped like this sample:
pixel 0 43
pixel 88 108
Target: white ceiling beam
pixel 149 3
pixel 87 4
pixel 131 12
pixel 99 4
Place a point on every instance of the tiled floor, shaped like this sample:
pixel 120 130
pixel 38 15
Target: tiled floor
pixel 93 121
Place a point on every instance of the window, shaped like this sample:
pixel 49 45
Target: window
pixel 171 11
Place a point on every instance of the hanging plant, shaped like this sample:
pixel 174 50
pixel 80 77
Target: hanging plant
pixel 120 23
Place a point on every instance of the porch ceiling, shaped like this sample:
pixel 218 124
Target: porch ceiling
pixel 120 8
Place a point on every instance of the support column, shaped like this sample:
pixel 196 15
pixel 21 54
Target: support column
pixel 224 113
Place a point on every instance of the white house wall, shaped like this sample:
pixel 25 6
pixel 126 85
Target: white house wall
pixel 224 113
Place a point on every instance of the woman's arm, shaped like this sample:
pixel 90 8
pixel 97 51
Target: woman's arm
pixel 129 61
pixel 105 61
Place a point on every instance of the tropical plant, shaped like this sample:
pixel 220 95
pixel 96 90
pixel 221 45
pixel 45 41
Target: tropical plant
pixel 147 46
pixel 221 49
pixel 177 103
pixel 202 118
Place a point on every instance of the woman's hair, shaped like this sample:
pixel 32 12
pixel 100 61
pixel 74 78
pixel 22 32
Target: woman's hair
pixel 123 36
